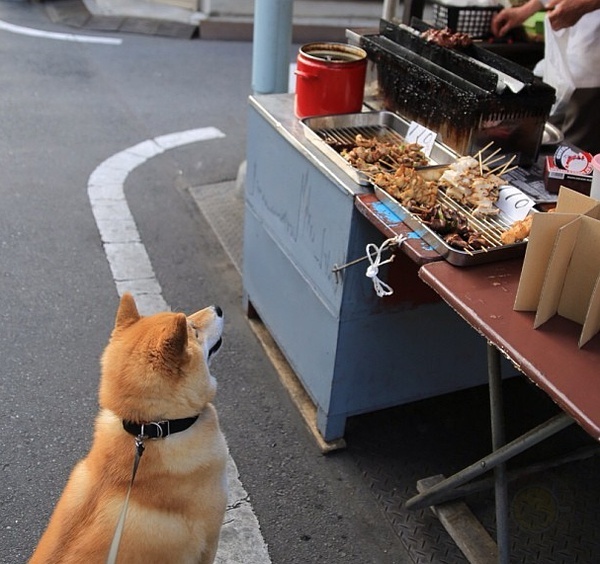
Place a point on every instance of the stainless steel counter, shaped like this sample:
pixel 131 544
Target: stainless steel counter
pixel 278 111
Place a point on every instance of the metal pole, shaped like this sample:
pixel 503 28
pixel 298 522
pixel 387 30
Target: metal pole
pixel 389 9
pixel 437 493
pixel 272 38
pixel 498 440
pixel 412 8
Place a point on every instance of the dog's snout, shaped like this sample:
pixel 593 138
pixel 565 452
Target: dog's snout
pixel 218 311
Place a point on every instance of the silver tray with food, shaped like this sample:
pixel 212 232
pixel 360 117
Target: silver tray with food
pixel 365 143
pixel 468 214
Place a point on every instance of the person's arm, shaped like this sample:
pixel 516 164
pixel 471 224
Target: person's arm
pixel 565 13
pixel 509 18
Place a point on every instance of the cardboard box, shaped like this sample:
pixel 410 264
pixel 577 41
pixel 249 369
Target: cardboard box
pixel 561 268
pixel 555 177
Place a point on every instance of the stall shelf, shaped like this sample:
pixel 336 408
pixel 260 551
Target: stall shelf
pixel 352 351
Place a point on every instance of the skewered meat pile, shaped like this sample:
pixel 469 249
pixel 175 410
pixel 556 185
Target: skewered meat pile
pixel 408 187
pixel 518 231
pixel 371 155
pixel 390 165
pixel 468 183
pixel 447 38
pixel 452 226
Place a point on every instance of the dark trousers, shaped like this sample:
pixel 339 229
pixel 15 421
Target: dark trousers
pixel 581 120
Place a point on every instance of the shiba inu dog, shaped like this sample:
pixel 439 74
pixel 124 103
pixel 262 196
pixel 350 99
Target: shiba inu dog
pixel 155 389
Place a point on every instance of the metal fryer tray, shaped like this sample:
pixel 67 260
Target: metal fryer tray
pixel 342 127
pixel 490 227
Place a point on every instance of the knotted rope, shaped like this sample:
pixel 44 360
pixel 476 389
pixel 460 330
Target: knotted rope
pixel 374 255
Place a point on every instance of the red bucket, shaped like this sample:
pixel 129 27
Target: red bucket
pixel 330 79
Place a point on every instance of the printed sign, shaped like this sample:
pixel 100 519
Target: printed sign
pixel 514 203
pixel 418 133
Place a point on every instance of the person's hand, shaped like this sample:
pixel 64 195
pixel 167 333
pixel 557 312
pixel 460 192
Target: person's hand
pixel 565 13
pixel 509 18
pixel 505 20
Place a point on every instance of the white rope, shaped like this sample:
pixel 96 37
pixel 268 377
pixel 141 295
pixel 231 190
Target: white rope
pixel 374 255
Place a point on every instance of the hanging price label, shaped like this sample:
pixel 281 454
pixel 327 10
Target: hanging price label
pixel 514 203
pixel 418 133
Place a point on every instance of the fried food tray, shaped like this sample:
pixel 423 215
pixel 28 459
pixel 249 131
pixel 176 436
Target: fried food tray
pixel 490 227
pixel 325 132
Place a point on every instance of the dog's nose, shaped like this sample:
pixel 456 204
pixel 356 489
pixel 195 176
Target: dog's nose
pixel 218 311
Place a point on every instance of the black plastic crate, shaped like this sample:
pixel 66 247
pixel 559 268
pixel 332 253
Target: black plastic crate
pixel 473 20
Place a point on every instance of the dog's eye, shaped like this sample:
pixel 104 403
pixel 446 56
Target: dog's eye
pixel 196 333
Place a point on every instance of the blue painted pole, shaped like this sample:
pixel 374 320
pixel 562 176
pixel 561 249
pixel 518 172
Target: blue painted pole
pixel 272 39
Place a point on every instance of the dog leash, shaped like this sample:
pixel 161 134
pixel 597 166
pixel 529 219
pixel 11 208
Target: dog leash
pixel 141 432
pixel 114 547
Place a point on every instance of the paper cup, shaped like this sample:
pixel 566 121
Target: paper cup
pixel 595 189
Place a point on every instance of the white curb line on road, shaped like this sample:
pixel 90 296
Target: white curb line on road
pixel 31 32
pixel 241 540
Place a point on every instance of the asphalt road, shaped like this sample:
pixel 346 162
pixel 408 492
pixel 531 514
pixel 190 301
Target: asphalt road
pixel 66 107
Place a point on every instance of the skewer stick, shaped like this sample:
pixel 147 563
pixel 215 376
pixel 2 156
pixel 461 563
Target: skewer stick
pixel 509 169
pixel 486 160
pixel 498 158
pixel 507 165
pixel 388 164
pixel 480 152
pixel 494 170
pixel 503 167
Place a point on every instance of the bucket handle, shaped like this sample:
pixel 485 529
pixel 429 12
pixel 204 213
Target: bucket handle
pixel 305 74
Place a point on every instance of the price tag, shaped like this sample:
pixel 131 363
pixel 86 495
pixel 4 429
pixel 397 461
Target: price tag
pixel 418 133
pixel 514 203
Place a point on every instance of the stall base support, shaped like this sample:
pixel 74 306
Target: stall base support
pixel 290 382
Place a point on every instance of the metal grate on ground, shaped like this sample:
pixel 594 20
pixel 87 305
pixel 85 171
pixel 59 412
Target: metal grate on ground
pixel 553 514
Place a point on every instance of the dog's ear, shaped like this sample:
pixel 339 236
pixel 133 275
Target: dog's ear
pixel 175 340
pixel 127 314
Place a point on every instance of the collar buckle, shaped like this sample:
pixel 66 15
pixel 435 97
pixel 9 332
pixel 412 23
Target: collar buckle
pixel 162 429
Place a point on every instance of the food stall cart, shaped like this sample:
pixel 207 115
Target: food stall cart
pixel 352 351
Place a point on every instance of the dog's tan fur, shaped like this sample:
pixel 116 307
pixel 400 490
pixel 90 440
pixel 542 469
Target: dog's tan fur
pixel 154 368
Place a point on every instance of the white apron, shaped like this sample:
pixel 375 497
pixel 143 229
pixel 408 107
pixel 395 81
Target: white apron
pixel 572 57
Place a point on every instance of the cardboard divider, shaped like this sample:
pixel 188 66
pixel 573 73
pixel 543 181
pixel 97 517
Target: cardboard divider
pixel 561 268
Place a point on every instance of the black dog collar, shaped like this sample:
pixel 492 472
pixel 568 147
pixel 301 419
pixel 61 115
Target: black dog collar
pixel 159 429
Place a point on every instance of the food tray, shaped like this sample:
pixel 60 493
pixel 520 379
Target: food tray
pixel 368 124
pixel 489 226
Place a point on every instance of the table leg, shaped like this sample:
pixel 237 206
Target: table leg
pixel 498 441
pixel 444 490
